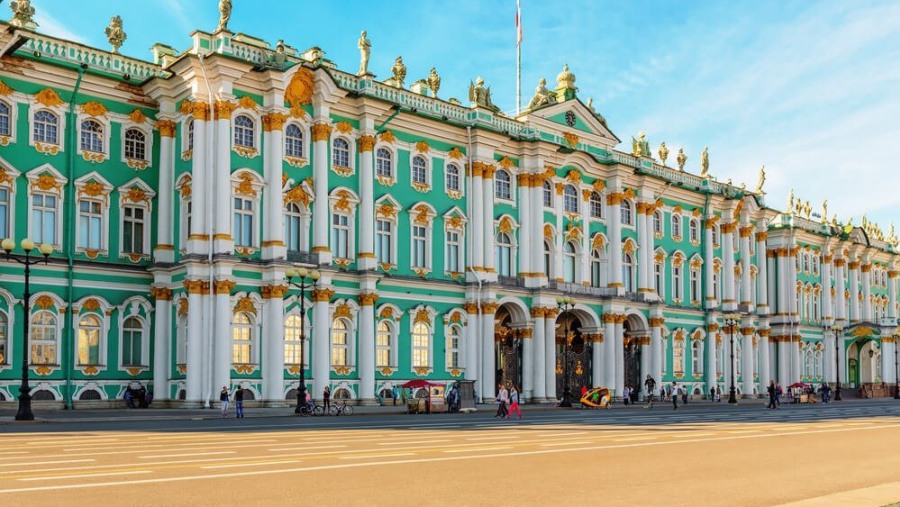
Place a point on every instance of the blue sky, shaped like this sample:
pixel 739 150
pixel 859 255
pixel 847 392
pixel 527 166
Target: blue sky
pixel 810 89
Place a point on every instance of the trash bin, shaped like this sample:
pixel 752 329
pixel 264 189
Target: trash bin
pixel 466 394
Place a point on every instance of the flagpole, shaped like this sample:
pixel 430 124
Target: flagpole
pixel 518 58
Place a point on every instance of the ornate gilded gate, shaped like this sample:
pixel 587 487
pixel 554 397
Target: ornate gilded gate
pixel 578 358
pixel 633 363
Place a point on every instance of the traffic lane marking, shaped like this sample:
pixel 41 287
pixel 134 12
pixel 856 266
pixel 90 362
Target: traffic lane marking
pixel 235 465
pixel 55 462
pixel 82 476
pixel 185 455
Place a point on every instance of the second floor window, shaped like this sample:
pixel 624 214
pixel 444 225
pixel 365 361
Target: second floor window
pixel 90 223
pixel 135 144
pixel 340 153
pixel 340 235
pixel 43 218
pixel 133 230
pixel 46 127
pixel 91 136
pixel 243 131
pixel 418 247
pixel 243 221
pixel 502 185
pixel 4 119
pixel 384 163
pixel 453 177
pixel 570 199
pixel 419 171
pixel 383 241
pixel 293 141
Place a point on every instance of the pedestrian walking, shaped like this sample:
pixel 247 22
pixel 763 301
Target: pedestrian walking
pixel 712 394
pixel 650 386
pixel 684 395
pixel 223 398
pixel 129 398
pixel 502 398
pixel 514 403
pixel 239 402
pixel 770 390
pixel 674 396
pixel 778 393
pixel 326 399
pixel 626 395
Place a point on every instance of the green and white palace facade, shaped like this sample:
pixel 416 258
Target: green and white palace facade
pixel 177 192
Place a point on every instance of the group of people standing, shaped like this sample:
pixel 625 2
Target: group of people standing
pixel 238 396
pixel 508 402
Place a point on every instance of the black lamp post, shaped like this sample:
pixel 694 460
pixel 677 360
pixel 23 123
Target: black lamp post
pixel 896 377
pixel 837 330
pixel 566 304
pixel 732 320
pixel 24 413
pixel 308 278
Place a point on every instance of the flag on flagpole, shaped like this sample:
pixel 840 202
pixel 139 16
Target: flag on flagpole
pixel 518 23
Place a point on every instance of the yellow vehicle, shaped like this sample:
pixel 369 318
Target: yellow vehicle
pixel 597 397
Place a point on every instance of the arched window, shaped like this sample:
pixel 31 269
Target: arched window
pixel 569 262
pixel 453 177
pixel 244 134
pixel 190 134
pixel 504 254
pixel 132 342
pixel 293 220
pixel 715 235
pixel 419 174
pixel 678 356
pixel 293 141
pixel 548 194
pixel 696 357
pixel 657 223
pixel 340 153
pixel 89 340
pixel 384 165
pixel 292 339
pixel 454 334
pixel 626 213
pixel 596 205
pixel 676 226
pixel 596 267
pixel 502 186
pixel 383 339
pixel 46 127
pixel 420 345
pixel 340 343
pixel 694 231
pixel 547 258
pixel 570 199
pixel 91 136
pixel 135 144
pixel 628 272
pixel 5 119
pixel 806 263
pixel 242 339
pixel 4 338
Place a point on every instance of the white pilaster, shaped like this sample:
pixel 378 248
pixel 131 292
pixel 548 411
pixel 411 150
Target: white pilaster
pixel 321 133
pixel 200 185
pixel 656 349
pixel 728 301
pixel 550 353
pixel 746 293
pixel 614 226
pixel 620 357
pixel 854 291
pixel 765 375
pixel 527 365
pixel 272 344
pixel 321 341
pixel 488 219
pixel 477 218
pixel 712 373
pixel 609 351
pixel 645 253
pixel 747 358
pixel 540 353
pixel 164 251
pixel 488 371
pixel 710 299
pixel 367 348
pixel 525 220
pixel 221 184
pixel 195 340
pixel 273 246
pixel 472 326
pixel 866 275
pixel 162 316
pixel 827 303
pixel 762 274
pixel 222 341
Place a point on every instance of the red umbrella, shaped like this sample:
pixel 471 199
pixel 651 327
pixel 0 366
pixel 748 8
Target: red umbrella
pixel 797 384
pixel 415 384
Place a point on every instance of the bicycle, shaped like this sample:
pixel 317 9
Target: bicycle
pixel 340 408
pixel 315 410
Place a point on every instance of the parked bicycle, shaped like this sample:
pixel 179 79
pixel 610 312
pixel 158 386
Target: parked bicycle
pixel 340 408
pixel 315 410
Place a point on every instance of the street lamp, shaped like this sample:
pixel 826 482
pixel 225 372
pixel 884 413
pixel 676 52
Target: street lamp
pixel 566 304
pixel 24 413
pixel 308 278
pixel 732 320
pixel 837 330
pixel 896 377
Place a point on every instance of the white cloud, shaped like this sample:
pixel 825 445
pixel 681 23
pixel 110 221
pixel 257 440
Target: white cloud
pixel 51 26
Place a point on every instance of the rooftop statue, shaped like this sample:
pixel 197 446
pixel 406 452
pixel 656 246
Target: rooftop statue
pixel 663 153
pixel 566 79
pixel 762 180
pixel 23 14
pixel 790 204
pixel 365 48
pixel 480 95
pixel 704 163
pixel 115 34
pixel 640 147
pixel 542 96
pixel 825 211
pixel 434 82
pixel 398 71
pixel 681 159
pixel 224 15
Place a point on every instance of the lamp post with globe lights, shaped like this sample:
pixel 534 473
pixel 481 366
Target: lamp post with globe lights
pixel 308 278
pixel 566 304
pixel 732 320
pixel 896 376
pixel 8 245
pixel 837 330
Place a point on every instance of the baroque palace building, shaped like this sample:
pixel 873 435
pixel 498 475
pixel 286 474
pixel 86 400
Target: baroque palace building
pixel 177 193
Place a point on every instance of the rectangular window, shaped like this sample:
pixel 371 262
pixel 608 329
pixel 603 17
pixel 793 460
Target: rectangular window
pixel 418 246
pixel 4 339
pixel 43 218
pixel 676 282
pixel 657 274
pixel 292 227
pixel 383 241
pixel 453 348
pixel 340 236
pixel 383 346
pixel 4 213
pixel 695 285
pixel 420 338
pixel 453 252
pixel 133 230
pixel 243 222
pixel 90 223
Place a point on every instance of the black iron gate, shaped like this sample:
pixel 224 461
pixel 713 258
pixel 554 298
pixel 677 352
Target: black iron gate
pixel 633 366
pixel 578 358
pixel 509 362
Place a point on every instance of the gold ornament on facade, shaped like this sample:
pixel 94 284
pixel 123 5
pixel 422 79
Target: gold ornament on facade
pixel 367 298
pixel 93 157
pixel 183 306
pixel 434 82
pixel 455 153
pixel 548 231
pixel 507 163
pixel 94 109
pixel 455 222
pixel 48 97
pixel 342 310
pixel 344 127
pixel 505 225
pixel 274 121
pixel 387 137
pixel 223 109
pixel 166 127
pixel 366 143
pixel 423 147
pixel 245 304
pixel 299 91
pixel 422 316
pixel 46 149
pixel 43 302
pixel 571 139
pixel 322 295
pixel 135 194
pixel 247 102
pixel 199 110
pixel 137 116
pixel 223 287
pixel 161 293
pixel 573 176
pixel 4 89
pixel 320 132
pixel 115 34
pixel 93 189
pixel 422 214
pixel 90 305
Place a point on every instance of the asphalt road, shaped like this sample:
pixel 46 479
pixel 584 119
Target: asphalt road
pixel 741 456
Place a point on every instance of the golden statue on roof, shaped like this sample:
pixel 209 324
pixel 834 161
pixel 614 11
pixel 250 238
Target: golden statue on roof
pixel 224 15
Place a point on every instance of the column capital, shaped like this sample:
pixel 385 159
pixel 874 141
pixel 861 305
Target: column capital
pixel 657 321
pixel 322 295
pixel 223 287
pixel 366 143
pixel 367 298
pixel 853 265
pixel 223 109
pixel 746 231
pixel 166 128
pixel 320 132
pixel 538 312
pixel 273 121
pixel 728 228
pixel 839 263
pixel 196 287
pixel 274 291
pixel 471 307
pixel 198 109
pixel 489 307
pixel 762 236
pixel 161 293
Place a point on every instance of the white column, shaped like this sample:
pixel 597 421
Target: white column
pixel 320 134
pixel 272 344
pixel 892 294
pixel 560 233
pixel 728 302
pixel 620 356
pixel 477 216
pixel 784 362
pixel 866 270
pixel 162 316
pixel 839 287
pixel 854 292
pixel 829 357
pixel 708 265
pixel 646 359
pixel 195 340
pixel 540 353
pixel 164 251
pixel 842 359
pixel 657 350
pixel 273 246
pixel 762 275
pixel 773 272
pixel 525 220
pixel 527 364
pixel 536 239
pixel 795 352
pixel 645 253
pixel 488 210
pixel 712 373
pixel 222 335
pixel 764 373
pixel 585 267
pixel 200 184
pixel 488 369
pixel 614 228
pixel 597 360
pixel 791 286
pixel 366 209
pixel 472 326
pixel 827 304
pixel 746 292
pixel 550 353
pixel 747 357
pixel 221 183
pixel 609 351
pixel 887 361
pixel 367 347
pixel 321 341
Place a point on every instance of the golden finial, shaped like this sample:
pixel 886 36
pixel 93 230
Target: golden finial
pixel 681 159
pixel 663 153
pixel 115 34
